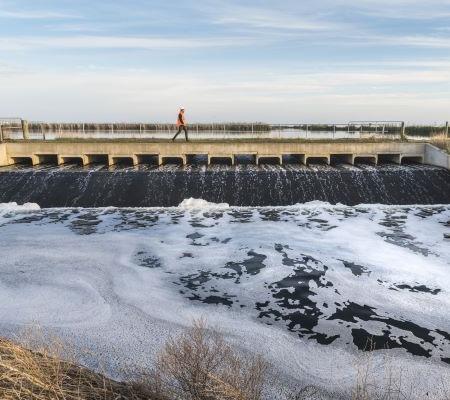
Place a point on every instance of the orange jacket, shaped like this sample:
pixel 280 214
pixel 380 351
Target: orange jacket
pixel 181 120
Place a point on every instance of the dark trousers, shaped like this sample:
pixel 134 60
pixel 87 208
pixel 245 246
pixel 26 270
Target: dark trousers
pixel 180 128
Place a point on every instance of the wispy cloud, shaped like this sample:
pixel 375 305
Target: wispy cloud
pixel 120 42
pixel 425 41
pixel 259 17
pixel 398 9
pixel 128 95
pixel 23 14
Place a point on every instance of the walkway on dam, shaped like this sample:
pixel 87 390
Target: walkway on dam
pixel 110 152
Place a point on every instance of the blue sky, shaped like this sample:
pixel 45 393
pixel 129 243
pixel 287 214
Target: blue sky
pixel 270 61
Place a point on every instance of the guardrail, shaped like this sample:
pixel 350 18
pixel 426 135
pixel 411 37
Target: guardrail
pixel 55 131
pixel 16 129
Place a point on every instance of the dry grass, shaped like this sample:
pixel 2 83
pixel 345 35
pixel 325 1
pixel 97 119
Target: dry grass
pixel 440 140
pixel 200 365
pixel 43 375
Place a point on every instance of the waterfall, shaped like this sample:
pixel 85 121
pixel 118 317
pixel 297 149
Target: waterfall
pixel 242 185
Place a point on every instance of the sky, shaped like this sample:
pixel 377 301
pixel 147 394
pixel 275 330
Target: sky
pixel 284 61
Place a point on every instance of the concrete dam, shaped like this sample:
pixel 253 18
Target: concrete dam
pixel 146 173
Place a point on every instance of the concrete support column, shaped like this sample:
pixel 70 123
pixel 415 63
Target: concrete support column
pixel 403 131
pixel 25 130
pixel 3 155
pixel 34 160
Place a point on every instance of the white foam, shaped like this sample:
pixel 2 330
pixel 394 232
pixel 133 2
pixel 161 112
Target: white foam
pixel 200 204
pixel 92 290
pixel 13 206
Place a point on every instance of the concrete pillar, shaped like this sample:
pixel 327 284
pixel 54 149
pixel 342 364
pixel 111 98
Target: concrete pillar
pixel 25 130
pixel 3 155
pixel 403 131
pixel 34 160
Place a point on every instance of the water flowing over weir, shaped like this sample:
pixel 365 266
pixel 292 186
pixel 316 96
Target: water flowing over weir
pixel 241 185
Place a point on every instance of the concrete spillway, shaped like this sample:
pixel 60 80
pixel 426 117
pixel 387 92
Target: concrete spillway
pixel 92 173
pixel 111 152
pixel 73 186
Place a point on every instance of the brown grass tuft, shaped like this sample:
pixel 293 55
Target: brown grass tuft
pixel 41 375
pixel 200 365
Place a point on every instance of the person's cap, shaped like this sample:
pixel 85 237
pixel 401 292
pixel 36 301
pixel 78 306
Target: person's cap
pixel 181 108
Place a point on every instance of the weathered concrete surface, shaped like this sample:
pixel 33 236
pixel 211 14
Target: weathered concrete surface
pixel 114 151
pixel 3 156
pixel 436 156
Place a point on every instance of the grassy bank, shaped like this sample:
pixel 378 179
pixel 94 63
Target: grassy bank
pixel 196 365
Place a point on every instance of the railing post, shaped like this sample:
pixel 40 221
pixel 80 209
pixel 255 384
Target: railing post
pixel 1 133
pixel 25 129
pixel 402 132
pixel 446 129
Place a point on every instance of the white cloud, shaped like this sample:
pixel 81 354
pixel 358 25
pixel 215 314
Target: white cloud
pixel 397 9
pixel 149 95
pixel 23 14
pixel 276 18
pixel 118 42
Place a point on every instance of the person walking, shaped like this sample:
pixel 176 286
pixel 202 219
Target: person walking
pixel 181 125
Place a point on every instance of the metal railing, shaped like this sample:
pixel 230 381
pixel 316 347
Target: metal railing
pixel 17 129
pixel 57 131
pixel 10 126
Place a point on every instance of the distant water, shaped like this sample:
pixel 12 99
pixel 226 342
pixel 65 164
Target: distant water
pixel 243 185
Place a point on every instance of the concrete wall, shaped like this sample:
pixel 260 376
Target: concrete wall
pixel 436 156
pixel 3 157
pixel 112 151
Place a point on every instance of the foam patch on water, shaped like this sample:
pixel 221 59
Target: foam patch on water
pixel 14 207
pixel 200 204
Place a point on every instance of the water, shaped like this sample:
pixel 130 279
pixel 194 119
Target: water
pixel 242 185
pixel 311 286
